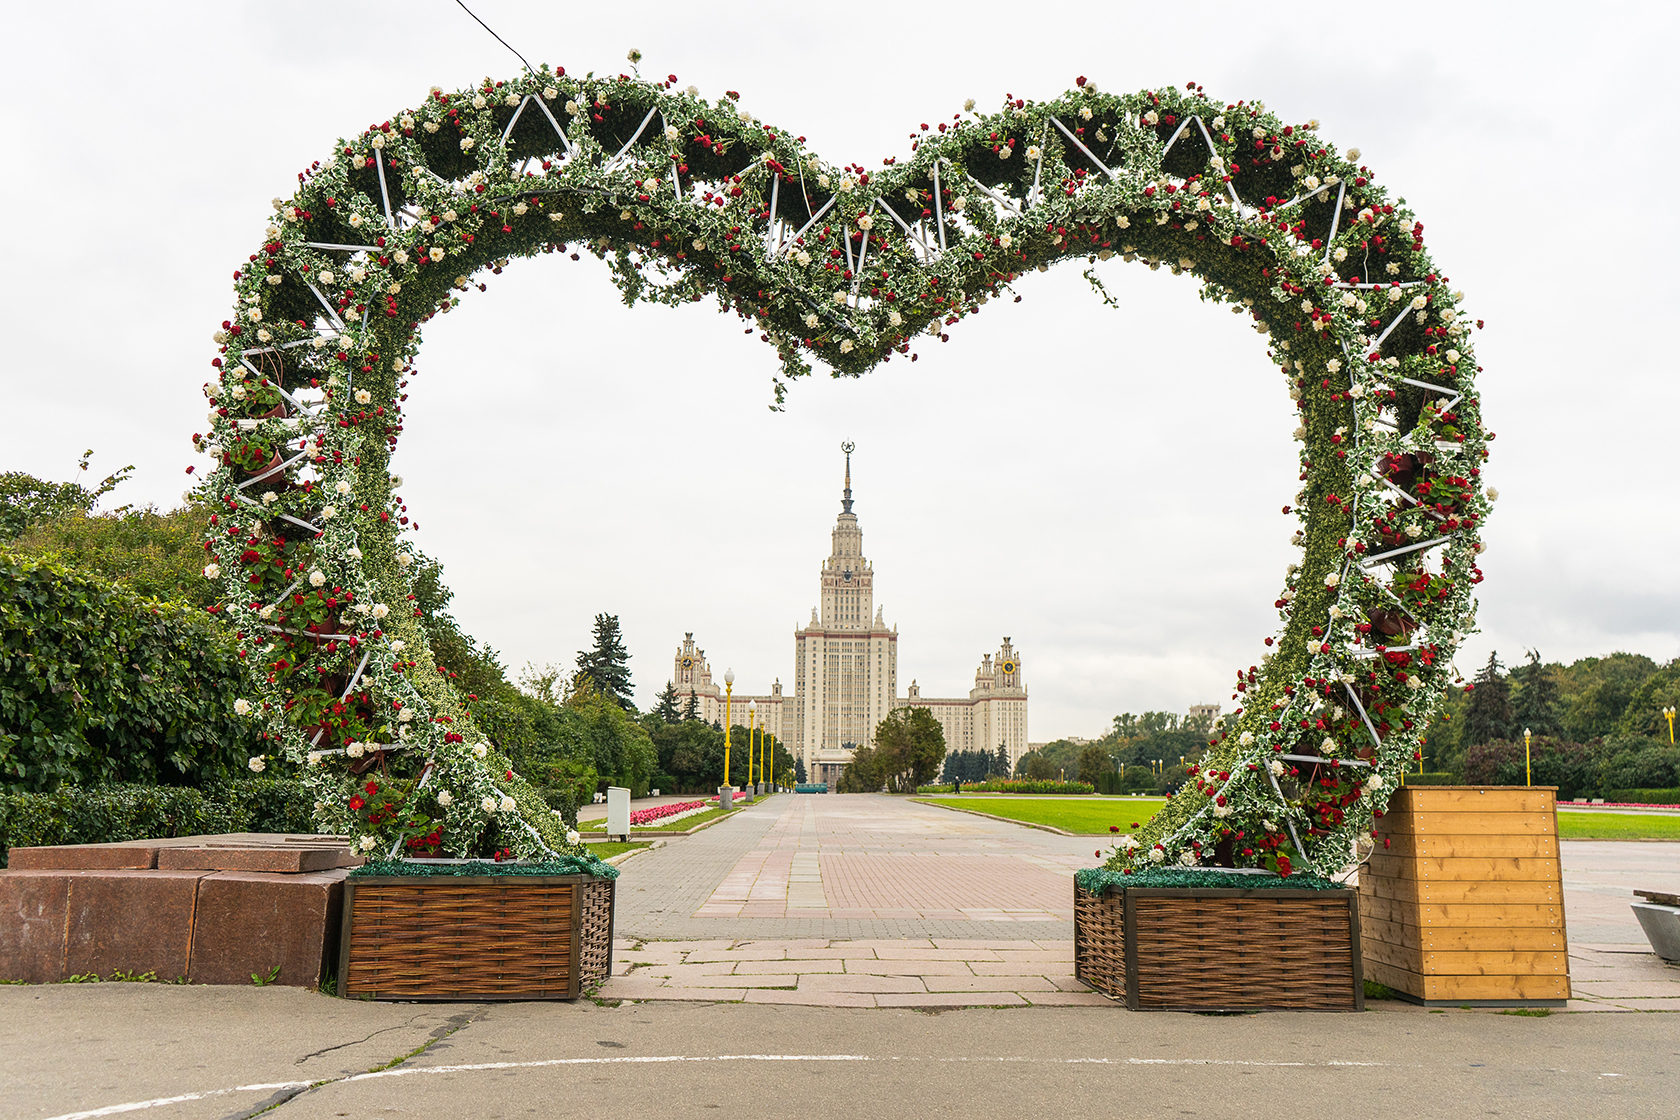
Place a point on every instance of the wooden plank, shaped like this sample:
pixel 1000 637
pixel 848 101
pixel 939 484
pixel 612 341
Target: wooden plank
pixel 1538 843
pixel 1398 956
pixel 1476 799
pixel 1493 963
pixel 1385 909
pixel 1494 987
pixel 1527 892
pixel 1400 979
pixel 1466 869
pixel 1467 824
pixel 1461 915
pixel 1381 929
pixel 1483 939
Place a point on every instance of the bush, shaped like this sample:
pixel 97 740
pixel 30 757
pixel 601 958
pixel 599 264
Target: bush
pixel 98 685
pixel 110 814
pixel 562 799
pixel 1571 767
pixel 1643 796
pixel 1019 786
pixel 1433 778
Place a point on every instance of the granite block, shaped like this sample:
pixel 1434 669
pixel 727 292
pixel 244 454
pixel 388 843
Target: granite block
pixel 83 857
pixel 249 922
pixel 32 909
pixel 133 921
pixel 291 859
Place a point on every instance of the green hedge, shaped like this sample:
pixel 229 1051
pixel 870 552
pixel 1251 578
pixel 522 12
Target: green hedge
pixel 1643 796
pixel 98 685
pixel 1023 786
pixel 107 814
pixel 1432 778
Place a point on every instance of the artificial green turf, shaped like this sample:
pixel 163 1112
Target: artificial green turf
pixel 1617 826
pixel 1085 815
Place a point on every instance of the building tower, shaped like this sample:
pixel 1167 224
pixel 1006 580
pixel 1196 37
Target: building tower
pixel 846 658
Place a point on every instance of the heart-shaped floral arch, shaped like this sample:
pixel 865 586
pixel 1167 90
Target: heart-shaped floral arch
pixel 685 199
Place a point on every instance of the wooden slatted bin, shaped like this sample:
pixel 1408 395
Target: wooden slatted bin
pixel 479 937
pixel 1462 901
pixel 1191 949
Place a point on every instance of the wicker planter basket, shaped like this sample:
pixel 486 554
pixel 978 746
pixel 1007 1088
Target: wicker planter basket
pixel 1188 949
pixel 479 937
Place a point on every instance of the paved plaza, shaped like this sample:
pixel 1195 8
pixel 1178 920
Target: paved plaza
pixel 877 901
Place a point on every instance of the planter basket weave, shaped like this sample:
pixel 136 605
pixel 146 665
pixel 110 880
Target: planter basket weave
pixel 1167 949
pixel 480 937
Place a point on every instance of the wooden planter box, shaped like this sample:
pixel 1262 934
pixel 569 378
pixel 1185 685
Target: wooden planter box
pixel 479 937
pixel 1462 901
pixel 1217 949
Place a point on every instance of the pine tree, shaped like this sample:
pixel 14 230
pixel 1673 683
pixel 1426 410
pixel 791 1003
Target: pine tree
pixel 666 709
pixel 691 708
pixel 608 665
pixel 1488 715
pixel 1536 703
pixel 1000 762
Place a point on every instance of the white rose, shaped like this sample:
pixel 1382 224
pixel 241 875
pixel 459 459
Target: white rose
pixel 342 486
pixel 314 758
pixel 326 276
pixel 212 571
pixel 550 93
pixel 1493 493
pixel 242 707
pixel 1156 855
pixel 329 512
pixel 802 257
pixel 506 805
pixel 380 610
pixel 1222 811
pixel 478 101
pixel 1277 769
pixel 511 100
pixel 865 221
pixel 572 836
pixel 354 750
pixel 257 764
pixel 400 256
pixel 1246 739
pixel 398 646
pixel 1188 859
pixel 367 843
pixel 1005 241
pixel 404 559
pixel 488 805
pixel 445 798
pixel 480 750
pixel 436 254
pixel 811 320
pixel 317 578
pixel 1003 151
pixel 363 397
pixel 895 319
pixel 1332 579
pixel 1128 842
pixel 845 346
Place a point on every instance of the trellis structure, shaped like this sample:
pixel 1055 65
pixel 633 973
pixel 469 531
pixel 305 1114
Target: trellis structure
pixel 687 198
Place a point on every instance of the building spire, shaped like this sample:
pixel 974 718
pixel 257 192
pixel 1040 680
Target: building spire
pixel 846 502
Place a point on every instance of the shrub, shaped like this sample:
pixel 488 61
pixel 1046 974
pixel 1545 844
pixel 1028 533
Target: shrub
pixel 98 685
pixel 1019 786
pixel 1571 767
pixel 1433 778
pixel 110 814
pixel 1643 796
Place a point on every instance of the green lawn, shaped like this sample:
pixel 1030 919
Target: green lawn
pixel 1617 826
pixel 1087 815
pixel 606 849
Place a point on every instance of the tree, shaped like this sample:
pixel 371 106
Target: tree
pixel 691 708
pixel 160 555
pixel 1488 715
pixel 26 500
pixel 608 664
pixel 666 709
pixel 909 747
pixel 1035 767
pixel 799 771
pixel 1093 761
pixel 1000 763
pixel 1535 704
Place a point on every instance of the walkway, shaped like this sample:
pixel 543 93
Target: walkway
pixel 872 901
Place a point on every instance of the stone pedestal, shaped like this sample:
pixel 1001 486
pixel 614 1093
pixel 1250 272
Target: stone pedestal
pixel 214 909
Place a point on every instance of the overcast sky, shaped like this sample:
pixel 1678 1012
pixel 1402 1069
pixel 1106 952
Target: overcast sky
pixel 1101 485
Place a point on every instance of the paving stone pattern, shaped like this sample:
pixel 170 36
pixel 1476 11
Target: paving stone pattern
pixel 855 866
pixel 869 901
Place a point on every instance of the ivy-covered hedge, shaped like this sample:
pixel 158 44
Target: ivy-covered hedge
pixel 99 685
pixel 109 814
pixel 1643 796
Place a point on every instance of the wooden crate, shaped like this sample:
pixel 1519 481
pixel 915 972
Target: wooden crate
pixel 1462 902
pixel 479 937
pixel 1216 949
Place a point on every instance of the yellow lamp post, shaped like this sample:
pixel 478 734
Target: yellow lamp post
pixel 728 696
pixel 1669 713
pixel 1528 757
pixel 752 720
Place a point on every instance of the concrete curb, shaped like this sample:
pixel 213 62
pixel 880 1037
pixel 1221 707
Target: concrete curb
pixel 645 832
pixel 632 853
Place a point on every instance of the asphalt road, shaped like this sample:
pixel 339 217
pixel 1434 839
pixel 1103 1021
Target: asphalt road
pixel 200 1052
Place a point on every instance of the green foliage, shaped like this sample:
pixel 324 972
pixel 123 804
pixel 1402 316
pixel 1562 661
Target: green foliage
pixel 1095 763
pixel 156 555
pixel 112 813
pixel 26 501
pixel 1619 762
pixel 620 748
pixel 1487 717
pixel 1019 786
pixel 909 747
pixel 666 709
pixel 99 685
pixel 1434 778
pixel 1643 796
pixel 607 665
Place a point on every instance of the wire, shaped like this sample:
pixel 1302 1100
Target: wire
pixel 493 34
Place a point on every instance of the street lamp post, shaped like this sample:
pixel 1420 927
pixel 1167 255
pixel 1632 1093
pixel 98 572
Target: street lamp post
pixel 1669 713
pixel 728 696
pixel 1528 757
pixel 751 712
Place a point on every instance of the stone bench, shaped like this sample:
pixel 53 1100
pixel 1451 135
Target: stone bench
pixel 214 909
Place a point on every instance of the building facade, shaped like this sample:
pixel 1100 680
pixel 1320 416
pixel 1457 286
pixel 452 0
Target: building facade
pixel 845 673
pixel 692 675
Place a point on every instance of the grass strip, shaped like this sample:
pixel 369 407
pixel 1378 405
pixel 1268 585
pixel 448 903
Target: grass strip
pixel 1087 818
pixel 1617 826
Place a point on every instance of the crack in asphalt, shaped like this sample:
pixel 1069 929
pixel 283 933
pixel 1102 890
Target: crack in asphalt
pixel 355 1042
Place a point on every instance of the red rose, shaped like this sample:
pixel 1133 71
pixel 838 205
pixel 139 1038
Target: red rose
pixel 356 803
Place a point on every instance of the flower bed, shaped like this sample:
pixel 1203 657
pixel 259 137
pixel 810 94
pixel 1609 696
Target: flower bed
pixel 675 809
pixel 448 930
pixel 1200 940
